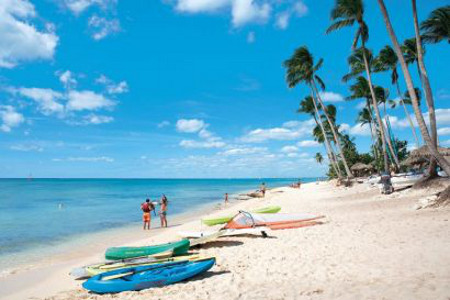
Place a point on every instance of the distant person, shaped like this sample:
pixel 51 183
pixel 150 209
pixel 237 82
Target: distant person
pixel 163 211
pixel 147 207
pixel 263 189
pixel 226 199
pixel 299 183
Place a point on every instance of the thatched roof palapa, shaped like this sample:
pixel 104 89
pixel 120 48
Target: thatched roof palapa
pixel 423 151
pixel 361 167
pixel 414 160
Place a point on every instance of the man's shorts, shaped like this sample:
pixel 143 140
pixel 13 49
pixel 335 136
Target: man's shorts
pixel 146 217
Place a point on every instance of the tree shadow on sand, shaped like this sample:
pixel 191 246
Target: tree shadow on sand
pixel 219 244
pixel 208 275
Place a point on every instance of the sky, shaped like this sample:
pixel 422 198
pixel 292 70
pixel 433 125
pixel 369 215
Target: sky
pixel 182 88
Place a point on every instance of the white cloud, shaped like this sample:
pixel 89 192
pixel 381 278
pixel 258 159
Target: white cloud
pixel 97 119
pixel 67 79
pixel 248 11
pixel 308 143
pixel 190 125
pixel 87 100
pixel 102 27
pixel 111 87
pixel 361 105
pixel 27 148
pixel 289 131
pixel 443 94
pixel 282 21
pixel 9 118
pixel 444 131
pixel 196 6
pixel 85 159
pixel 331 97
pixel 446 143
pixel 79 6
pixel 289 149
pixel 45 98
pixel 300 9
pixel 251 37
pixel 237 151
pixel 358 129
pixel 20 40
pixel 163 124
pixel 201 144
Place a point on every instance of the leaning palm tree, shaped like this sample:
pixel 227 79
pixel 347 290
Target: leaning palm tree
pixel 309 106
pixel 427 88
pixel 347 13
pixel 301 68
pixel 360 61
pixel 365 118
pixel 437 27
pixel 409 83
pixel 388 61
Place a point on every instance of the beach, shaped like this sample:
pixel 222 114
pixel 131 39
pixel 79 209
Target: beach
pixel 372 246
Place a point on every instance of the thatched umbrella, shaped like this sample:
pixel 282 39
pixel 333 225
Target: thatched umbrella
pixel 414 161
pixel 425 152
pixel 361 168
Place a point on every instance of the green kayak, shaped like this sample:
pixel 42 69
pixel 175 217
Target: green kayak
pixel 179 248
pixel 223 220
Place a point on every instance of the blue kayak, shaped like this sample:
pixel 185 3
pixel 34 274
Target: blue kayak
pixel 144 277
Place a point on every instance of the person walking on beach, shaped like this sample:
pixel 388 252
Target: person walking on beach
pixel 147 207
pixel 163 211
pixel 263 189
pixel 226 199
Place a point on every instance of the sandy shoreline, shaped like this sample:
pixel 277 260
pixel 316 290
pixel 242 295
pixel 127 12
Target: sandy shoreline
pixel 373 247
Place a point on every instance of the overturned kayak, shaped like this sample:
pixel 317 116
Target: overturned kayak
pixel 178 248
pixel 223 220
pixel 193 235
pixel 144 277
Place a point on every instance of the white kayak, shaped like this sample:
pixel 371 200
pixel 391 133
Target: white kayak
pixel 224 232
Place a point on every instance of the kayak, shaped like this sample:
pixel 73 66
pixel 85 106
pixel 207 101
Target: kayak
pixel 205 238
pixel 223 220
pixel 85 271
pixel 223 232
pixel 144 277
pixel 179 248
pixel 102 268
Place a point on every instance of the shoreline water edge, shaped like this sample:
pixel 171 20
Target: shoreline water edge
pixel 376 244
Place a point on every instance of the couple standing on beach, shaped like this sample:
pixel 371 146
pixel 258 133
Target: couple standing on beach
pixel 148 206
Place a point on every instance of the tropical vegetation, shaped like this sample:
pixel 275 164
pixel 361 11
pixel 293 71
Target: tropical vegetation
pixel 387 152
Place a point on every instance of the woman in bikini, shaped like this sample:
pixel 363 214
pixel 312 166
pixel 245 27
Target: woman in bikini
pixel 163 211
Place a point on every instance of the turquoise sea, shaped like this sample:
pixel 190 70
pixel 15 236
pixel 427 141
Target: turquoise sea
pixel 38 213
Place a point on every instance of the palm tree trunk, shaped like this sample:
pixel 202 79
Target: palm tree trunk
pixel 407 114
pixel 327 143
pixel 427 88
pixel 409 83
pixel 389 137
pixel 333 129
pixel 373 131
pixel 375 107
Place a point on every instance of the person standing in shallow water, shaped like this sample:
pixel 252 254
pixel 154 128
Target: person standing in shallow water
pixel 226 199
pixel 147 208
pixel 163 211
pixel 263 189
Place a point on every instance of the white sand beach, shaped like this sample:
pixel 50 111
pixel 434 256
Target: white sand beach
pixel 372 247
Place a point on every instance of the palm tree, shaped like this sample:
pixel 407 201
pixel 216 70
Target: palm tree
pixel 365 117
pixel 436 28
pixel 427 88
pixel 309 106
pixel 358 61
pixel 388 61
pixel 346 13
pixel 319 158
pixel 301 68
pixel 409 83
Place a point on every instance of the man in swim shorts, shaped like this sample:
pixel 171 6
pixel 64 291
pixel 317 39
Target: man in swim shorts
pixel 147 207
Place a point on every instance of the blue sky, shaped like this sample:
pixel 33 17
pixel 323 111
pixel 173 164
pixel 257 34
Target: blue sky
pixel 180 88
